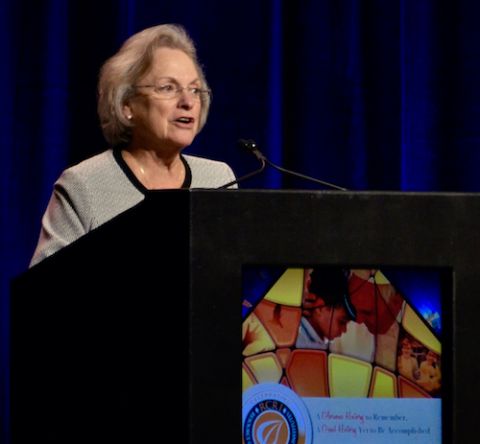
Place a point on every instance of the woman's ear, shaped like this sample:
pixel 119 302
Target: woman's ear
pixel 127 112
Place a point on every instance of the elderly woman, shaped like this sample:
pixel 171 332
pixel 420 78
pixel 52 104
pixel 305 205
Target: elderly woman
pixel 153 100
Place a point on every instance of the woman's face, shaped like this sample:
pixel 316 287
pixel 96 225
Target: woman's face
pixel 169 124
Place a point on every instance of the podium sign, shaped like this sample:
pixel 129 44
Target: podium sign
pixel 137 326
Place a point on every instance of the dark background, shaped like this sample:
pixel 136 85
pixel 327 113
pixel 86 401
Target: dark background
pixel 367 94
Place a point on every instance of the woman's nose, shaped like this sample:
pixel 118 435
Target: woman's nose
pixel 185 100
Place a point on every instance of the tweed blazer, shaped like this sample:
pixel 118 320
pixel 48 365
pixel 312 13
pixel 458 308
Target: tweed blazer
pixel 97 189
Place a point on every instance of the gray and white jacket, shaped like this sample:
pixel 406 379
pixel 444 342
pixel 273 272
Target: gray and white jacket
pixel 101 187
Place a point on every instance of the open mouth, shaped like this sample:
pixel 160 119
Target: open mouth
pixel 185 120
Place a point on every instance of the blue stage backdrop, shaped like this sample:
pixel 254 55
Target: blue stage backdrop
pixel 370 95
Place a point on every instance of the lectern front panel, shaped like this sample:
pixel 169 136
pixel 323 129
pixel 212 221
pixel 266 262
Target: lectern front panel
pixel 344 354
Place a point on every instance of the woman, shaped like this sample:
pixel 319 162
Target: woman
pixel 153 100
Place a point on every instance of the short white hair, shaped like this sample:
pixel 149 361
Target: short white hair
pixel 121 71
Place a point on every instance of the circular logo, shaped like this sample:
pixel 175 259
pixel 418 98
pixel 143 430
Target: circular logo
pixel 274 414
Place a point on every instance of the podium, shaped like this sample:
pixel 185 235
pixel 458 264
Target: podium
pixel 133 332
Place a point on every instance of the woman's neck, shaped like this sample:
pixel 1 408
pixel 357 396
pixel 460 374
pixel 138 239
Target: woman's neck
pixel 154 170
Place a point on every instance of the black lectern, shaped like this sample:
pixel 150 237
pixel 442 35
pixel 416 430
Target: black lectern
pixel 133 333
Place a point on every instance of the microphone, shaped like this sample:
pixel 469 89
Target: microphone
pixel 250 146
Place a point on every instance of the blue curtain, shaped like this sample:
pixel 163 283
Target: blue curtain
pixel 370 95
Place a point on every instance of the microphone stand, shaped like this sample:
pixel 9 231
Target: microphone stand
pixel 253 173
pixel 251 146
pixel 303 176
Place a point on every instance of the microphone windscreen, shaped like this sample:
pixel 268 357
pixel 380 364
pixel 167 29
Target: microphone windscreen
pixel 251 146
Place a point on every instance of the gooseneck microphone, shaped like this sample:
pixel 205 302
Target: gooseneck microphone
pixel 251 146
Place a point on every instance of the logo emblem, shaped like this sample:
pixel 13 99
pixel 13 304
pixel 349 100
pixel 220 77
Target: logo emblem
pixel 274 414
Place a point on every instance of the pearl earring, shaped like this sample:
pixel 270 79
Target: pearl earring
pixel 129 117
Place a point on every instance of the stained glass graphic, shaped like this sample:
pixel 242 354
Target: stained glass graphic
pixel 343 332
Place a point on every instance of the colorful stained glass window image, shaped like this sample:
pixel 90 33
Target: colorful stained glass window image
pixel 337 332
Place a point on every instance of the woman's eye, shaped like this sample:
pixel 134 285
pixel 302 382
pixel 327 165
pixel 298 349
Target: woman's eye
pixel 166 88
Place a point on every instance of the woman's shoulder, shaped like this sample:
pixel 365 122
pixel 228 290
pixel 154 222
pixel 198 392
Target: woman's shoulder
pixel 203 161
pixel 97 163
pixel 101 168
pixel 208 173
